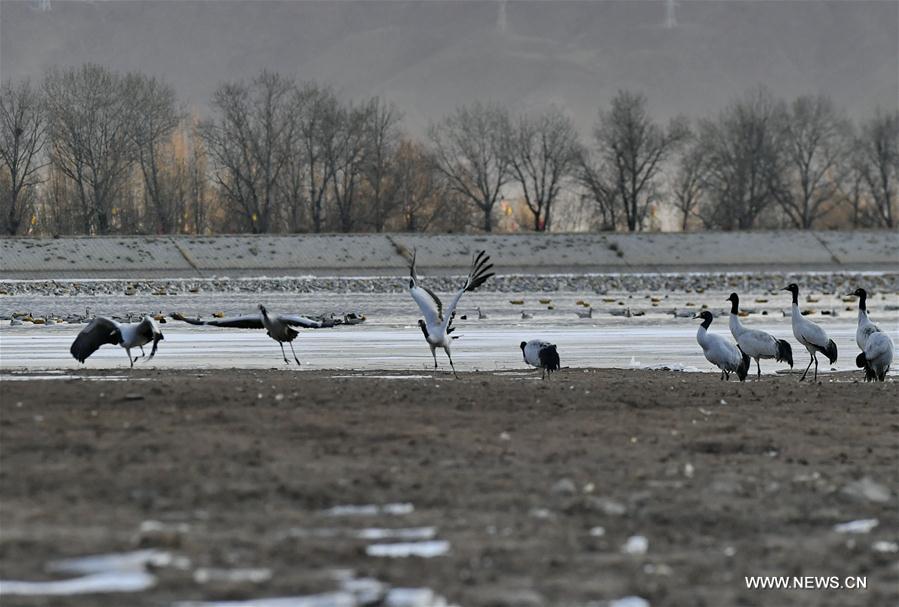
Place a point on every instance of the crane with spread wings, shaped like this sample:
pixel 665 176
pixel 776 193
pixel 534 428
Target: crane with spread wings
pixel 437 324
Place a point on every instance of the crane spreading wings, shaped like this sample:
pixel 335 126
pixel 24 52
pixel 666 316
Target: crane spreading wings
pixel 431 306
pixel 254 321
pixel 98 332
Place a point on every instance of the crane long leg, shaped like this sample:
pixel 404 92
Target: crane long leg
pixel 290 343
pixel 452 366
pixel 807 368
pixel 130 360
pixel 434 354
pixel 759 375
pixel 142 353
pixel 815 356
pixel 283 354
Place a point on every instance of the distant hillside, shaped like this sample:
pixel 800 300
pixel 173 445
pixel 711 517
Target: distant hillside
pixel 429 57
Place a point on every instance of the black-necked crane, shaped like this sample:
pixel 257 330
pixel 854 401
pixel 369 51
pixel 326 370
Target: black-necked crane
pixel 876 357
pixel 876 346
pixel 280 327
pixel 437 323
pixel 756 343
pixel 541 354
pixel 101 331
pixel 720 352
pixel 865 325
pixel 810 335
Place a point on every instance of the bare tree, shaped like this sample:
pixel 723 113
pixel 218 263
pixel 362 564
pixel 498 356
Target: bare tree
pixel 686 186
pixel 250 142
pixel 634 149
pixel 382 138
pixel 878 146
pixel 815 143
pixel 599 187
pixel 317 114
pixel 420 187
pixel 88 126
pixel 22 130
pixel 470 149
pixel 154 117
pixel 543 153
pixel 744 158
pixel 347 156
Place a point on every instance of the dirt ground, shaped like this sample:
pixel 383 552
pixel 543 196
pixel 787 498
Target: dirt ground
pixel 724 480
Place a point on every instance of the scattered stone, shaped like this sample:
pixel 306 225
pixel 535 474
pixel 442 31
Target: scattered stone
pixel 636 544
pixel 564 486
pixel 867 489
pixel 629 601
pixel 158 534
pixel 864 525
pixel 606 505
pixel 206 575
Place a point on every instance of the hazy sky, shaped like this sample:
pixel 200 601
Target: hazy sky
pixel 429 57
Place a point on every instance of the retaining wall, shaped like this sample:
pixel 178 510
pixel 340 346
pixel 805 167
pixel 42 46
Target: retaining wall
pixel 380 254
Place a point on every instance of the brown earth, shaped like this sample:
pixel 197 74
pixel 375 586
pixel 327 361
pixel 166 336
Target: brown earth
pixel 724 480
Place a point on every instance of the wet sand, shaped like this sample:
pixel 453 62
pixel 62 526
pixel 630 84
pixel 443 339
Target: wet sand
pixel 724 480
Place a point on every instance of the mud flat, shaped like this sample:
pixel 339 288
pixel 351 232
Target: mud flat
pixel 494 489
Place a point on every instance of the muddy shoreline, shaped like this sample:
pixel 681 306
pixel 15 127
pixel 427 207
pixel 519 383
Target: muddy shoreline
pixel 536 486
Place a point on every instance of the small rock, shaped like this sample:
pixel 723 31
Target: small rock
pixel 134 396
pixel 606 505
pixel 629 601
pixel 564 486
pixel 864 525
pixel 867 489
pixel 156 533
pixel 636 544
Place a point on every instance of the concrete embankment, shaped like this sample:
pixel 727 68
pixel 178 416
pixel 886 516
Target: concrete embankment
pixel 378 254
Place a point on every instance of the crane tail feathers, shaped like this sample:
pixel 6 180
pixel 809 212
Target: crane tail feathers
pixel 743 368
pixel 549 359
pixel 831 351
pixel 784 352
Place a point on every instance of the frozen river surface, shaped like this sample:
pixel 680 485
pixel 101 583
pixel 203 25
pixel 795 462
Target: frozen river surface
pixel 390 339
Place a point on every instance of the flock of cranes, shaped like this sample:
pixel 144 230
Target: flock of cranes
pixel 437 327
pixel 876 346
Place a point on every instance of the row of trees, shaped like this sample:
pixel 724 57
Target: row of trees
pixel 92 151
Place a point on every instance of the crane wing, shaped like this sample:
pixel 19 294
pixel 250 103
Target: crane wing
pixel 99 332
pixel 477 275
pixel 253 321
pixel 428 302
pixel 812 333
pixel 295 320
